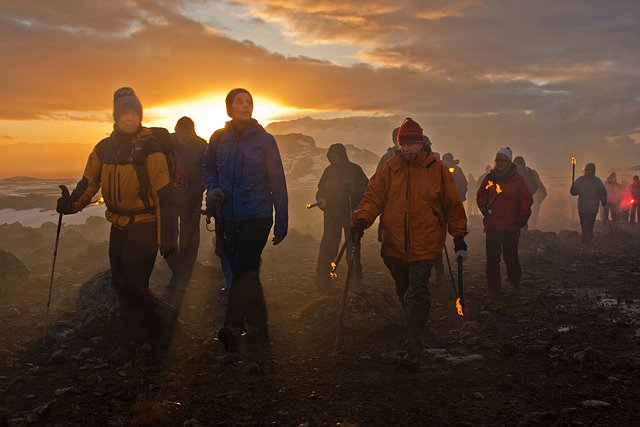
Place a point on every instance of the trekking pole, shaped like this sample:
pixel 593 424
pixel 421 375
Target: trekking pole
pixel 460 300
pixel 453 283
pixel 344 296
pixel 65 193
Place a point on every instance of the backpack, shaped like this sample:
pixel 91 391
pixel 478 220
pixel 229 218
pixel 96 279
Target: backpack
pixel 177 172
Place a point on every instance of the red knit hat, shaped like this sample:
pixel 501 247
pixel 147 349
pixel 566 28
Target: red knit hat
pixel 410 131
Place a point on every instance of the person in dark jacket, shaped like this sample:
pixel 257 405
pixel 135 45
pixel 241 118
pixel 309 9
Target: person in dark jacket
pixel 591 193
pixel 391 151
pixel 340 189
pixel 132 172
pixel 189 149
pixel 245 182
pixel 458 175
pixel 505 202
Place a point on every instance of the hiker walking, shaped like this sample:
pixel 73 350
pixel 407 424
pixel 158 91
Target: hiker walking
pixel 245 181
pixel 505 202
pixel 458 176
pixel 531 178
pixel 591 193
pixel 391 151
pixel 130 168
pixel 418 199
pixel 615 197
pixel 634 191
pixel 340 190
pixel 188 149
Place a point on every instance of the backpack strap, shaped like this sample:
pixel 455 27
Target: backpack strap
pixel 142 148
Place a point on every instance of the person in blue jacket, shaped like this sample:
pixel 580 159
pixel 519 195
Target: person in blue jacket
pixel 244 177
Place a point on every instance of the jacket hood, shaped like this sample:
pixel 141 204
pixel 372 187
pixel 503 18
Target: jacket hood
pixel 520 163
pixel 590 169
pixel 337 150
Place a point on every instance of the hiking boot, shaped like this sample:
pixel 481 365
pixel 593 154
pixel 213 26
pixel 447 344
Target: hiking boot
pixel 230 338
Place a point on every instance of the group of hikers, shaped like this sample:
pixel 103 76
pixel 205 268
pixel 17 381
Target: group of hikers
pixel 153 182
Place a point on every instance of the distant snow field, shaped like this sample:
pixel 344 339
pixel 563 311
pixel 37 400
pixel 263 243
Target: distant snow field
pixel 36 217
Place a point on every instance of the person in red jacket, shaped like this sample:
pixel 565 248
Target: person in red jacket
pixel 505 202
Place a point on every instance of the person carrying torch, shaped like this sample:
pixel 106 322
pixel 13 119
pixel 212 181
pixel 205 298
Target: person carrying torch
pixel 591 192
pixel 340 189
pixel 416 198
pixel 505 202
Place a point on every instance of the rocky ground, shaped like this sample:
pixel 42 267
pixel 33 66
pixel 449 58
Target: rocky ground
pixel 561 350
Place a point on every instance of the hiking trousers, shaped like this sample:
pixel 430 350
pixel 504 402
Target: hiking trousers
pixel 587 222
pixel 181 262
pixel 411 279
pixel 502 244
pixel 243 243
pixel 132 254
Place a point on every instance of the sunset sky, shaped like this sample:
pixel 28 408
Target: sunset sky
pixel 550 77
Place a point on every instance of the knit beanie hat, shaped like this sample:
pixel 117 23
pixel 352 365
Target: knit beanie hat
pixel 410 131
pixel 185 124
pixel 506 151
pixel 125 99
pixel 231 96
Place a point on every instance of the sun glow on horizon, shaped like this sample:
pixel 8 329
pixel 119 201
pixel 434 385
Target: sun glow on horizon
pixel 209 113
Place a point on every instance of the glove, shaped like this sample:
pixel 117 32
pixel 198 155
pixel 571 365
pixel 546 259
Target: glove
pixel 64 205
pixel 460 248
pixel 357 230
pixel 522 222
pixel 278 238
pixel 322 203
pixel 167 249
pixel 214 197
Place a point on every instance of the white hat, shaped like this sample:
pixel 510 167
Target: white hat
pixel 506 151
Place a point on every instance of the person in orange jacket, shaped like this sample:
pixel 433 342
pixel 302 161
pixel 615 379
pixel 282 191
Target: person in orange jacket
pixel 505 202
pixel 418 200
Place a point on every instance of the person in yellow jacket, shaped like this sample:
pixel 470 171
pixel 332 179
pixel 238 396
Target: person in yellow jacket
pixel 131 169
pixel 418 200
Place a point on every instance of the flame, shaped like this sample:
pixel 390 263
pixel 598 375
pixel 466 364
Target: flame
pixel 308 205
pixel 489 185
pixel 333 273
pixel 459 307
pixel 451 170
pixel 498 189
pixel 97 202
pixel 573 160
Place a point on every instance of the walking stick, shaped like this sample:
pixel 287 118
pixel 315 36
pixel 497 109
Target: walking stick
pixel 65 192
pixel 344 296
pixel 460 300
pixel 453 283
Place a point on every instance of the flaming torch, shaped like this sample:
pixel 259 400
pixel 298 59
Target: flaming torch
pixel 97 202
pixel 573 170
pixel 311 205
pixel 335 262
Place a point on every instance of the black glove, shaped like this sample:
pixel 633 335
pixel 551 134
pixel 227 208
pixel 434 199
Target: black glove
pixel 460 248
pixel 485 210
pixel 459 244
pixel 357 230
pixel 64 205
pixel 522 222
pixel 215 196
pixel 277 238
